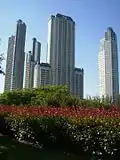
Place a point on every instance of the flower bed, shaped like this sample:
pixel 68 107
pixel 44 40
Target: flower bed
pixel 78 130
pixel 65 111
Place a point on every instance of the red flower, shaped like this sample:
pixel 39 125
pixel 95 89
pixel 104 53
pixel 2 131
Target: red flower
pixel 69 112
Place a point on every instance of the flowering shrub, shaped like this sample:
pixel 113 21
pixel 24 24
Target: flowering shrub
pixel 65 111
pixel 88 132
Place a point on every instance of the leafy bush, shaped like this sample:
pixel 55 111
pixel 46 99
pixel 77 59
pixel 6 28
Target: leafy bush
pixel 44 96
pixel 18 97
pixel 92 132
pixel 58 96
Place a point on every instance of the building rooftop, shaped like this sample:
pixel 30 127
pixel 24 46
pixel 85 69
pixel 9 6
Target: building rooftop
pixel 20 21
pixel 34 39
pixel 45 65
pixel 79 69
pixel 62 16
pixel 110 29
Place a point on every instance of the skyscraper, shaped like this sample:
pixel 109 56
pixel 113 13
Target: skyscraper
pixel 79 82
pixel 18 56
pixel 42 75
pixel 108 65
pixel 36 50
pixel 36 83
pixel 61 50
pixel 33 49
pixel 32 59
pixel 8 73
pixel 45 74
pixel 29 71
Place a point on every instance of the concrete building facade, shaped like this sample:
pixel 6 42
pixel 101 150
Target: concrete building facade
pixel 32 63
pixel 29 70
pixel 108 65
pixel 42 75
pixel 9 61
pixel 79 82
pixel 45 74
pixel 61 50
pixel 18 57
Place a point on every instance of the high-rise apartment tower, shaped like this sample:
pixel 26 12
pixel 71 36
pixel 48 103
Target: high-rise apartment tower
pixel 32 59
pixel 79 82
pixel 61 50
pixel 9 61
pixel 108 65
pixel 18 56
pixel 15 58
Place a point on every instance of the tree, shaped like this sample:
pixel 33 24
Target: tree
pixel 1 59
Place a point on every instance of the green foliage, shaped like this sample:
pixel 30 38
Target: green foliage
pixel 96 102
pixel 98 137
pixel 118 100
pixel 58 96
pixel 73 101
pixel 18 97
pixel 44 96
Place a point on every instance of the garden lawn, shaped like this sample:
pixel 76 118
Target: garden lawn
pixel 12 150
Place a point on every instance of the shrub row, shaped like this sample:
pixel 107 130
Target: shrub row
pixel 84 132
pixel 50 96
pixel 44 96
pixel 76 112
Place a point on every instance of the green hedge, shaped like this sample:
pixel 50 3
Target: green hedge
pixel 58 96
pixel 98 137
pixel 44 96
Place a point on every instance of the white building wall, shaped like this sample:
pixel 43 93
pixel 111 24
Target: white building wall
pixel 29 71
pixel 37 76
pixel 108 66
pixel 101 68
